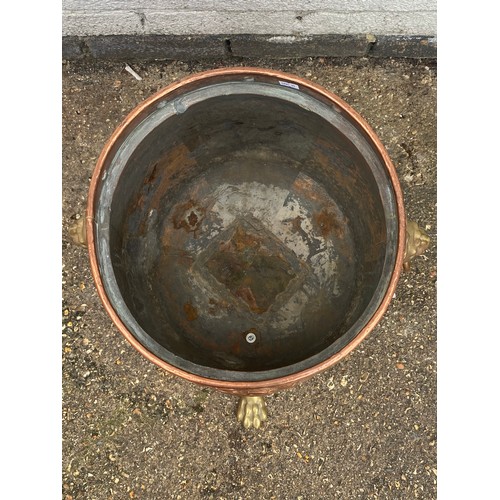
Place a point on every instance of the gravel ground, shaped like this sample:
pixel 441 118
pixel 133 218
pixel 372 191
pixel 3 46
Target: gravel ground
pixel 366 428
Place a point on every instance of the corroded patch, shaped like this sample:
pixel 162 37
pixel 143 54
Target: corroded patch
pixel 190 311
pixel 251 269
pixel 188 216
pixel 326 222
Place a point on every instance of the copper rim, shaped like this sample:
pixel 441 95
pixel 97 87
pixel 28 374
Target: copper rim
pixel 271 385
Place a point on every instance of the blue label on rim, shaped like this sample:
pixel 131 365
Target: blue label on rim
pixel 288 84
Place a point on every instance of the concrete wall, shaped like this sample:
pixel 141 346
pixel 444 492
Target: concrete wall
pixel 258 17
pixel 195 29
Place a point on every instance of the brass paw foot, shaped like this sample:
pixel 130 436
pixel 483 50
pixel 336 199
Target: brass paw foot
pixel 78 232
pixel 417 242
pixel 252 411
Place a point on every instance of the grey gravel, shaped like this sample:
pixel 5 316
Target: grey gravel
pixel 366 428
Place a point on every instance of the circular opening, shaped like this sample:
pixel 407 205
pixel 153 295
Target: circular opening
pixel 246 227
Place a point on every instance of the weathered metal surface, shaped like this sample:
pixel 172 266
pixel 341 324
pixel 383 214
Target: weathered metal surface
pixel 231 207
pixel 255 256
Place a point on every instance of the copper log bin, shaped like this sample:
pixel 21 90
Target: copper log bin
pixel 246 231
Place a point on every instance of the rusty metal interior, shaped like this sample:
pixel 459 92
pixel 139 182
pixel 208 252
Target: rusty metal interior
pixel 245 229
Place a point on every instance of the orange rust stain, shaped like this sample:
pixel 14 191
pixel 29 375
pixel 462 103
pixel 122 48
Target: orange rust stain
pixel 236 348
pixel 165 174
pixel 190 311
pixel 217 306
pixel 251 330
pixel 325 163
pixel 192 219
pixel 247 295
pixel 326 222
pixel 174 165
pixel 188 216
pixel 307 188
pixel 139 202
pixel 153 175
pixel 242 240
pixel 138 205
